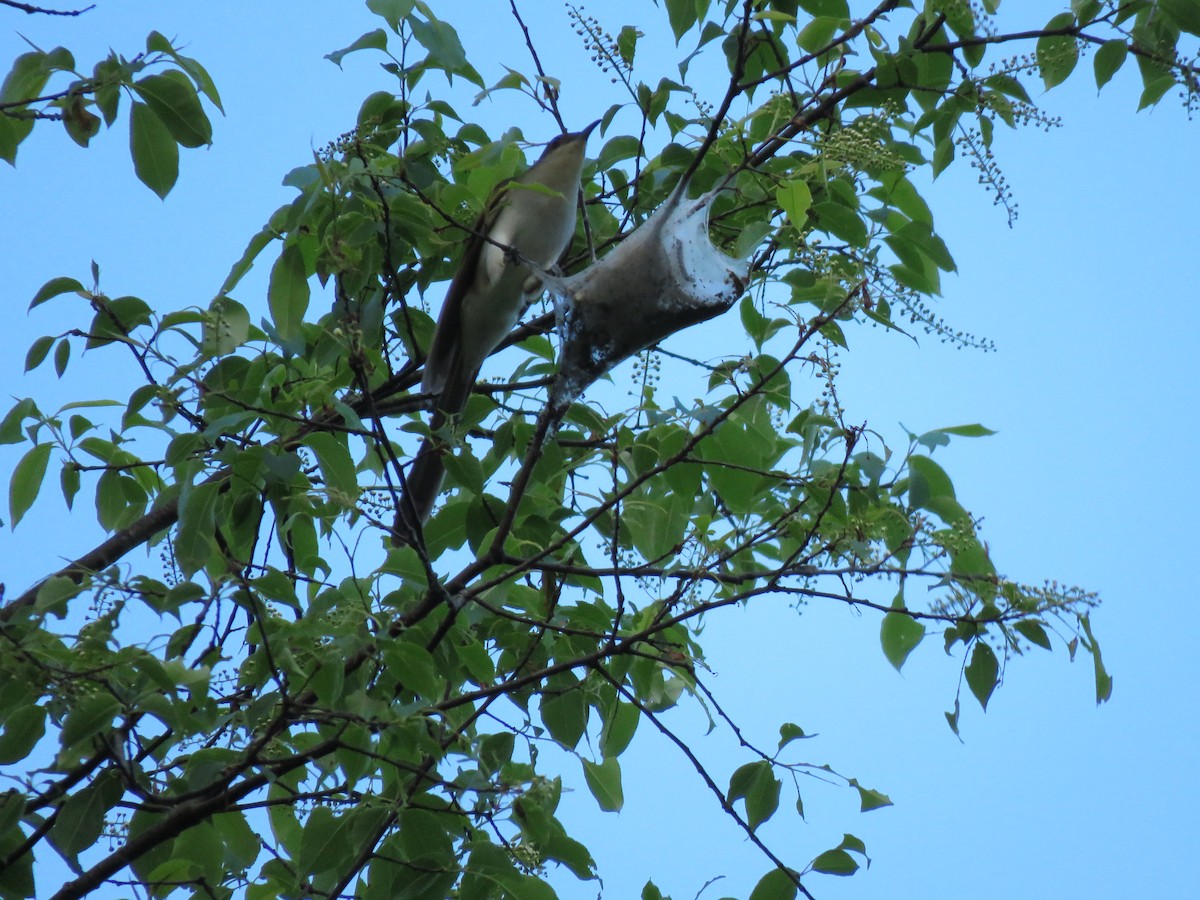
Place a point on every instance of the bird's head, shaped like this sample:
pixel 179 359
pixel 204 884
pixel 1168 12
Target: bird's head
pixel 562 160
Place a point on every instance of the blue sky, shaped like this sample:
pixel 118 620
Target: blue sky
pixel 1091 300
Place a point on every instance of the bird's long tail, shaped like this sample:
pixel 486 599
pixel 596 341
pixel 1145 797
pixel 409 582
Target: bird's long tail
pixel 424 480
pixel 423 483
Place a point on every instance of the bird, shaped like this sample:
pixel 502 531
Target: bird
pixel 528 218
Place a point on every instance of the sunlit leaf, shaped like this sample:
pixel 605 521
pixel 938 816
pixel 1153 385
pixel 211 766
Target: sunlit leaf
pixel 1108 60
pixel 26 481
pixel 288 292
pixel 1057 54
pixel 775 885
pixel 155 153
pixel 899 634
pixel 835 862
pixel 983 672
pixel 604 781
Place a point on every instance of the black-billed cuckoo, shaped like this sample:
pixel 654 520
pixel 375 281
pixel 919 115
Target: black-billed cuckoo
pixel 530 218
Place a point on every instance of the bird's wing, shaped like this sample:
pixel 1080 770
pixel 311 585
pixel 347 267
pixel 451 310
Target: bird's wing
pixel 444 350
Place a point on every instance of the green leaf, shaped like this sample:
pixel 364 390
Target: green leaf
pixel 870 799
pixel 12 807
pixel 1033 632
pixel 195 541
pixel 173 98
pixel 12 132
pixel 488 869
pixel 62 354
pixel 53 594
pixel 16 879
pixel 54 287
pixel 241 843
pixel 477 662
pixel 1109 58
pixel 392 11
pixel 1104 681
pixel 681 14
pixel 952 719
pixel 775 885
pixel 69 481
pixel 199 75
pixel 794 198
pixel 620 723
pixel 818 33
pixel 1185 14
pixel 326 842
pixel 445 49
pixel 627 43
pixel 899 634
pixel 80 819
pixel 604 781
pixel 226 327
pixel 14 419
pixel 115 319
pixel 155 153
pixel 1006 84
pixel 621 147
pixel 974 430
pixel 1057 54
pixel 372 40
pixel 983 672
pixel 565 716
pixel 853 844
pixel 423 839
pixel 416 669
pixel 496 750
pixel 27 481
pixel 337 467
pixel 927 483
pixel 89 717
pixel 37 352
pixel 26 78
pixel 288 292
pixel 245 263
pixel 81 124
pixel 835 862
pixel 789 732
pixel 1155 89
pixel 23 728
pixel 841 222
pixel 757 784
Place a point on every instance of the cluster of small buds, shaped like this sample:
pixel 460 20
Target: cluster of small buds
pixel 862 144
pixel 339 146
pixel 1186 77
pixel 829 364
pixel 984 161
pixel 115 829
pixel 224 681
pixel 602 48
pixel 918 313
pixel 102 604
pixel 527 856
pixel 974 11
pixel 170 571
pixel 1051 594
pixel 1030 115
pixel 1015 65
pixel 646 369
pixel 626 559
